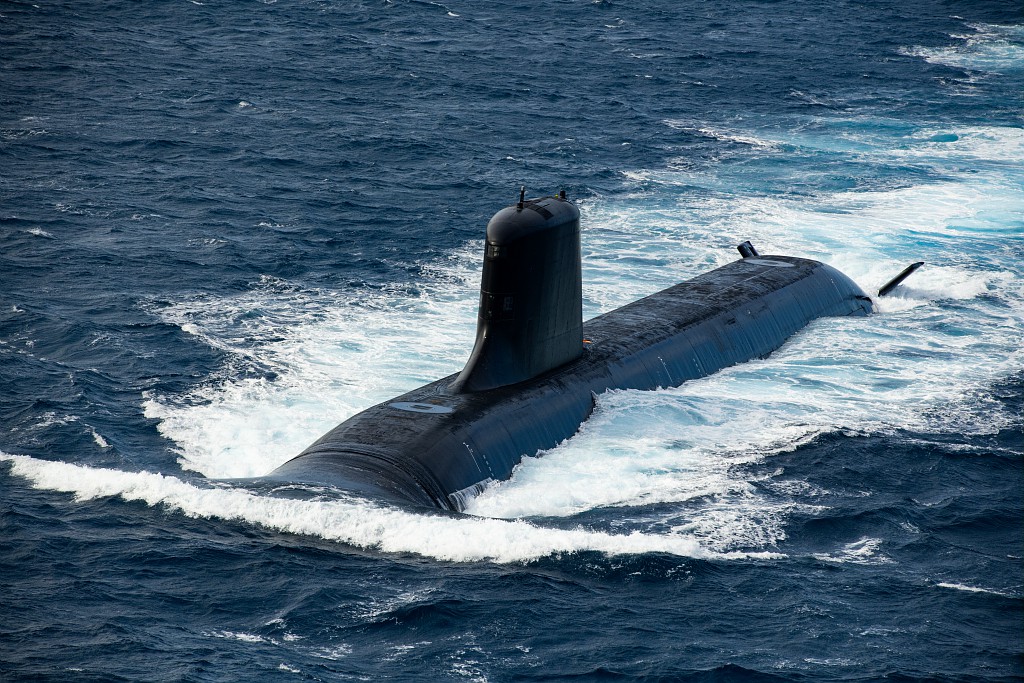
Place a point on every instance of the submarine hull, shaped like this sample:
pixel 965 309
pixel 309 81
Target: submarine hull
pixel 439 446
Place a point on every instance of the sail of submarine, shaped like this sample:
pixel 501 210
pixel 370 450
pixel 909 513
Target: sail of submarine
pixel 536 367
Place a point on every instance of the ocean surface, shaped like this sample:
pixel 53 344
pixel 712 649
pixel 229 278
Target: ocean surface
pixel 227 226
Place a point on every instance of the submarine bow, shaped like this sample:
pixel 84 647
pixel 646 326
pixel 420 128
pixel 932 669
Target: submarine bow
pixel 536 367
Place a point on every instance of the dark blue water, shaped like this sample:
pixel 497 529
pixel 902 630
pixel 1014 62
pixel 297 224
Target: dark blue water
pixel 225 227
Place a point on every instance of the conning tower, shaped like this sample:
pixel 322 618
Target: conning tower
pixel 531 295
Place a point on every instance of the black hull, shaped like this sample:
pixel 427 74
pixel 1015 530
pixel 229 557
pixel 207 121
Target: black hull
pixel 437 446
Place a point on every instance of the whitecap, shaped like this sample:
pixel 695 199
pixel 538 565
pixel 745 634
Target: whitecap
pixel 724 135
pixel 864 551
pixel 970 589
pixel 239 636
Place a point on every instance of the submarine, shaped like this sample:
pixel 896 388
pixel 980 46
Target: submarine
pixel 536 368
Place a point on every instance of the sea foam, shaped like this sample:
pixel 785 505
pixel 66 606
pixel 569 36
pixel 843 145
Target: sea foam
pixel 355 522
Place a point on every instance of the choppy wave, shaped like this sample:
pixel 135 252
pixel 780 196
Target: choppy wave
pixel 266 223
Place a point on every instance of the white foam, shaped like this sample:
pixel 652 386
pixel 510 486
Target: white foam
pixel 971 589
pixel 240 636
pixel 355 522
pixel 334 653
pixel 832 661
pixel 991 48
pixel 667 446
pixel 864 551
pixel 100 441
pixel 958 144
pixel 334 353
pixel 725 135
